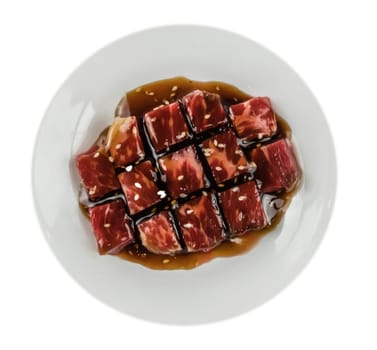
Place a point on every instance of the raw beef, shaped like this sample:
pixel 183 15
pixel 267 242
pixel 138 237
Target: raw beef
pixel 254 119
pixel 158 235
pixel 111 226
pixel 184 172
pixel 204 110
pixel 139 187
pixel 200 223
pixel 243 208
pixel 124 142
pixel 277 166
pixel 97 173
pixel 224 156
pixel 166 126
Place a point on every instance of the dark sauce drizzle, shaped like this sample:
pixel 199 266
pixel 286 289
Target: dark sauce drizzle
pixel 140 101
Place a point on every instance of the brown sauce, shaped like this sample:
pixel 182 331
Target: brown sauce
pixel 143 99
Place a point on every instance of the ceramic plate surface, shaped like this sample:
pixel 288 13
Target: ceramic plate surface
pixel 85 104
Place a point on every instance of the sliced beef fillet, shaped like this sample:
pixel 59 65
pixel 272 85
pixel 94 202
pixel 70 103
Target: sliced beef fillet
pixel 200 223
pixel 224 156
pixel 124 142
pixel 139 187
pixel 158 235
pixel 242 207
pixel 166 126
pixel 111 226
pixel 183 171
pixel 277 166
pixel 97 173
pixel 254 119
pixel 204 110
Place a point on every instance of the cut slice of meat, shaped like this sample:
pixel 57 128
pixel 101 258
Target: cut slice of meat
pixel 158 235
pixel 277 166
pixel 243 208
pixel 97 173
pixel 254 119
pixel 204 110
pixel 224 156
pixel 124 142
pixel 138 184
pixel 166 126
pixel 183 171
pixel 111 226
pixel 200 223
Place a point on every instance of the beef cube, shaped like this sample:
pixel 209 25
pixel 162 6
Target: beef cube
pixel 139 187
pixel 200 223
pixel 243 208
pixel 183 171
pixel 158 235
pixel 124 142
pixel 97 173
pixel 224 156
pixel 205 110
pixel 112 227
pixel 277 166
pixel 166 126
pixel 254 119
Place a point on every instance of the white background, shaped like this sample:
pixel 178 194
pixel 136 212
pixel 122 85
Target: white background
pixel 331 44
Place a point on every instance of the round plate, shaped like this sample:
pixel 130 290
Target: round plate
pixel 85 104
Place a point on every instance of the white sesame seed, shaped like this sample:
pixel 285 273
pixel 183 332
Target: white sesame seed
pixel 204 193
pixel 96 155
pixel 183 195
pixel 189 211
pixel 260 136
pixel 174 88
pixel 220 185
pixel 106 225
pixel 241 167
pixel 172 94
pixel 240 216
pixel 165 101
pixel 138 89
pixel 221 145
pixel 149 93
pixel 117 146
pixel 136 197
pixel 137 184
pixel 180 177
pixel 128 168
pixel 161 193
pixel 181 135
pixel 236 240
pixel 217 88
pixel 166 261
pixel 188 225
pixel 207 116
pixel 111 159
pixel 215 142
pixel 242 198
pixel 235 189
pixel 238 151
pixel 218 168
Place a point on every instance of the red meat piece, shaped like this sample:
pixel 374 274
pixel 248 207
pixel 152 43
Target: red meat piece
pixel 158 235
pixel 277 166
pixel 166 126
pixel 184 172
pixel 224 156
pixel 254 119
pixel 111 226
pixel 138 184
pixel 124 142
pixel 97 173
pixel 243 208
pixel 201 224
pixel 205 110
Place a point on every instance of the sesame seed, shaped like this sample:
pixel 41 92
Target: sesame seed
pixel 189 211
pixel 138 89
pixel 215 142
pixel 149 93
pixel 253 165
pixel 174 88
pixel 235 189
pixel 242 198
pixel 236 240
pixel 128 168
pixel 165 101
pixel 220 185
pixel 260 136
pixel 217 88
pixel 118 146
pixel 93 190
pixel 138 185
pixel 238 151
pixel 218 168
pixel 188 225
pixel 161 193
pixel 258 145
pixel 204 193
pixel 235 99
pixel 207 116
pixel 221 145
pixel 130 252
pixel 96 155
pixel 106 225
pixel 111 159
pixel 241 167
pixel 136 197
pixel 181 135
pixel 172 94
pixel 180 177
pixel 166 261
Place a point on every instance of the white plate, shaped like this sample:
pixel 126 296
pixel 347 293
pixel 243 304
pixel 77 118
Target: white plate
pixel 84 105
